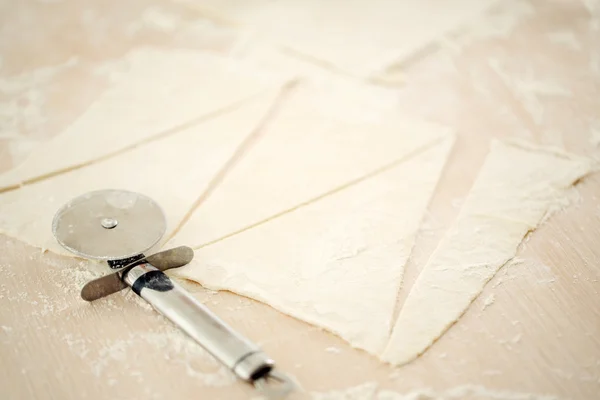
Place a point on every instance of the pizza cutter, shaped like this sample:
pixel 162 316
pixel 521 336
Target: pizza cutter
pixel 119 226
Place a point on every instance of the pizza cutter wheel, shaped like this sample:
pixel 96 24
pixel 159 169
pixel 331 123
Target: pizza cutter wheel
pixel 119 226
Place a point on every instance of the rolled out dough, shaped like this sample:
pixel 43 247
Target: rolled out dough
pixel 304 152
pixel 514 191
pixel 338 262
pixel 174 171
pixel 162 90
pixel 359 37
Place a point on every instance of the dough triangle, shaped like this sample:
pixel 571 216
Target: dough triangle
pixel 305 152
pixel 163 90
pixel 174 171
pixel 338 262
pixel 359 37
pixel 515 189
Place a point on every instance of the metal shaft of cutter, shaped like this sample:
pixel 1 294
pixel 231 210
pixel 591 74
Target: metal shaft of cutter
pixel 243 357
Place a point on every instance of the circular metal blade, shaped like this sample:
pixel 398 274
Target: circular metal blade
pixel 109 224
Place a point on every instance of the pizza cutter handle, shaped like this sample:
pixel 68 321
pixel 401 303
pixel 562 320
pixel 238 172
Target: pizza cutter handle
pixel 243 357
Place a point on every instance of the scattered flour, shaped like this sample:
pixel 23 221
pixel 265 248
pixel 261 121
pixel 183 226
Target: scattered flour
pixel 530 89
pixel 491 372
pixel 594 63
pixel 366 391
pixel 500 22
pixel 595 135
pixel 72 280
pixel 179 27
pixel 593 6
pixel 333 350
pixel 488 301
pixel 20 147
pixel 369 391
pixel 23 99
pixel 458 202
pixel 156 19
pixel 175 347
pixel 430 224
pixel 506 273
pixel 465 392
pixel 516 338
pixel 565 38
pixel 546 281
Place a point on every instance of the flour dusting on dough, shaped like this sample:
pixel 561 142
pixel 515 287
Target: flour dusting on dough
pixel 139 109
pixel 516 189
pixel 310 262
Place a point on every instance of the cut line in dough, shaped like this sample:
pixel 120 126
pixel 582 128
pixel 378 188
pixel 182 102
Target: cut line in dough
pixel 174 171
pixel 304 153
pixel 359 37
pixel 516 188
pixel 338 262
pixel 164 91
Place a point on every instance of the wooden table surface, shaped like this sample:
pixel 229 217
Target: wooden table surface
pixel 529 69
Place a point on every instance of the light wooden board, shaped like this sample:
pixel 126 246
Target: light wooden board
pixel 540 334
